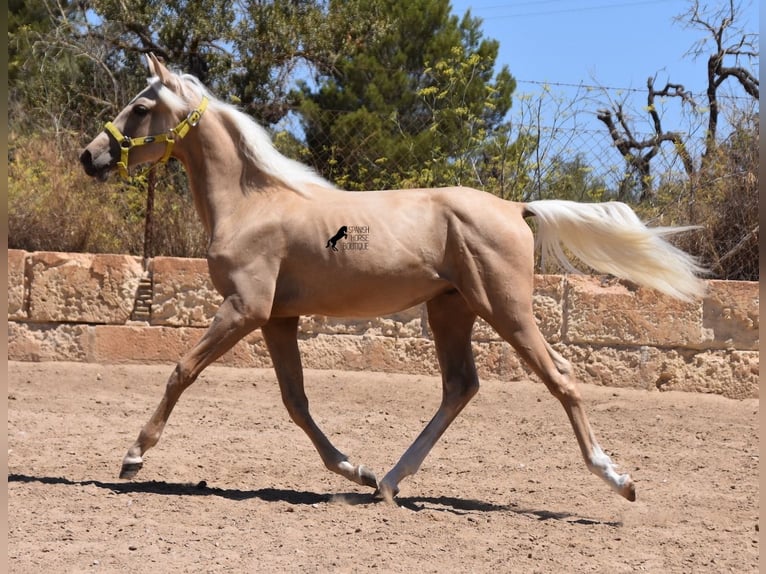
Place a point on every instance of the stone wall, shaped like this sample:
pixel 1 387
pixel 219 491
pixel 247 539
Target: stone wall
pixel 108 309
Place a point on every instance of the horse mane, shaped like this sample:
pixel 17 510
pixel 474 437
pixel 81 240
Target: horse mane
pixel 255 142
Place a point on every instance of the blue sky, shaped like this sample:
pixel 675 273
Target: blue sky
pixel 617 43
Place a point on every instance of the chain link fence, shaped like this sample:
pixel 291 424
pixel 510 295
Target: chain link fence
pixel 554 146
pixel 537 155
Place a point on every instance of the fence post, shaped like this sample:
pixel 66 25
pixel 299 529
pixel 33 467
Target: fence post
pixel 149 218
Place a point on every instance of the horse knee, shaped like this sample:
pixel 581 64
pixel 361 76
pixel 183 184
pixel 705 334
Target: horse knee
pixel 461 390
pixel 565 389
pixel 180 379
pixel 297 407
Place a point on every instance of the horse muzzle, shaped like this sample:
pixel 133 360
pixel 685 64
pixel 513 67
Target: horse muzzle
pixel 98 167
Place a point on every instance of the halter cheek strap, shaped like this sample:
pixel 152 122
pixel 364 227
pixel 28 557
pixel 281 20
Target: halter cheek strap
pixel 169 139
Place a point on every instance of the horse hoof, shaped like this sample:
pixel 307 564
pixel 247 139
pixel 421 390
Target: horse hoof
pixel 386 494
pixel 629 491
pixel 130 469
pixel 367 477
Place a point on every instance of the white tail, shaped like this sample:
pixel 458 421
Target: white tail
pixel 610 238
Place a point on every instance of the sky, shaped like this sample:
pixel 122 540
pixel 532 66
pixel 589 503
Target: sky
pixel 617 43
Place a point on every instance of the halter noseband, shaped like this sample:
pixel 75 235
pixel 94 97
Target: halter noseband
pixel 169 139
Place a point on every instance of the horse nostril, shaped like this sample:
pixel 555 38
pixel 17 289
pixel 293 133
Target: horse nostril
pixel 86 159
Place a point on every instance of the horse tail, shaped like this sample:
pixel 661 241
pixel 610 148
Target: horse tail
pixel 610 238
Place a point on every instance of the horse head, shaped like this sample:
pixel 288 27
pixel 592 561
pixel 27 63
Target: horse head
pixel 146 130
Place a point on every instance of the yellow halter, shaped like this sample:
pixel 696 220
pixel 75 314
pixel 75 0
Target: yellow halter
pixel 169 139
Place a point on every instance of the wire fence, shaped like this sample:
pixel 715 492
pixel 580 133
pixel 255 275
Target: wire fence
pixel 556 147
pixel 532 159
pixel 551 146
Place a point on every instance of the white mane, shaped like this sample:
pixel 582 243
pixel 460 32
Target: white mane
pixel 255 141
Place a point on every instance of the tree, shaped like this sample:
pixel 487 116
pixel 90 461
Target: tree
pixel 39 92
pixel 519 156
pixel 638 153
pixel 404 106
pixel 25 18
pixel 279 42
pixel 733 49
pixel 572 179
pixel 406 92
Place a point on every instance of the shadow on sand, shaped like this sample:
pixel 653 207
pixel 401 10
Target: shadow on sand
pixel 460 506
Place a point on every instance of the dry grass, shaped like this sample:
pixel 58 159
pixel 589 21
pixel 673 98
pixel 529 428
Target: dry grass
pixel 53 206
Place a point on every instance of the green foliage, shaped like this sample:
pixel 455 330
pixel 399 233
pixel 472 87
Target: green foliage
pixel 506 167
pixel 411 105
pixel 573 179
pixel 25 18
pixel 388 94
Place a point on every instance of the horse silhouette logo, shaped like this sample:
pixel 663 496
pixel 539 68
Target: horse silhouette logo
pixel 342 233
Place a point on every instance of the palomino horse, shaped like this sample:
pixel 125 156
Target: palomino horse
pixel 463 252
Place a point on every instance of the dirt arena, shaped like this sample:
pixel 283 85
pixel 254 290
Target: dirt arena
pixel 235 486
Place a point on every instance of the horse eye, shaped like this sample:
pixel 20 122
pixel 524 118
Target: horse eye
pixel 140 110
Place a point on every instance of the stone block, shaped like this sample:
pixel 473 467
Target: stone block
pixel 76 307
pixel 619 367
pixel 374 353
pixel 406 323
pixel 548 305
pixel 730 315
pixel 17 285
pixel 609 313
pixel 182 293
pixel 143 344
pixel 733 374
pixel 47 342
pixel 82 288
pixel 497 360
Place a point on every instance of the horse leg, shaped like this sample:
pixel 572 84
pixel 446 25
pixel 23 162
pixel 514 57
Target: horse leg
pixel 517 326
pixel 229 325
pixel 281 339
pixel 451 322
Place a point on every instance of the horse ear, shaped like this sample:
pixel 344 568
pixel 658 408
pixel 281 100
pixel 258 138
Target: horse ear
pixel 157 68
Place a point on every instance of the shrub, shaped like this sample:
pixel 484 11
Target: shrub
pixel 54 206
pixel 721 198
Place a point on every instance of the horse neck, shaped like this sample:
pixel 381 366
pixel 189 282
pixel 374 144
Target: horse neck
pixel 220 178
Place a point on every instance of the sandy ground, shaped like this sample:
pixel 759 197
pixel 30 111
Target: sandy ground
pixel 235 486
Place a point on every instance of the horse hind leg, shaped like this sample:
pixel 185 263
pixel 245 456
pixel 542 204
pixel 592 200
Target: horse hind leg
pixel 556 372
pixel 598 462
pixel 451 322
pixel 281 339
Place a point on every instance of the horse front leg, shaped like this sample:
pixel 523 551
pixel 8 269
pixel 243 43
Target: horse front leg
pixel 451 323
pixel 281 336
pixel 232 321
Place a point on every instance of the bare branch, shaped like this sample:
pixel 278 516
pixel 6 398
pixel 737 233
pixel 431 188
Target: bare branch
pixel 729 42
pixel 741 245
pixel 747 80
